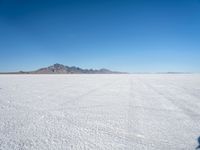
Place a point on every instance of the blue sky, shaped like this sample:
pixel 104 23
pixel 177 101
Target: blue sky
pixel 124 35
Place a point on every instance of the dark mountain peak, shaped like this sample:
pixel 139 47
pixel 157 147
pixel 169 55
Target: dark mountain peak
pixel 57 66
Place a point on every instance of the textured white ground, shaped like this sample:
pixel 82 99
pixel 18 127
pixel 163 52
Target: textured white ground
pixel 97 112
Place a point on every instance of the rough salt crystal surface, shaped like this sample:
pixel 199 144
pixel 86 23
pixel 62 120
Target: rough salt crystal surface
pixel 101 112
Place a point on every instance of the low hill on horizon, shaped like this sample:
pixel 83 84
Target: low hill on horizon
pixel 62 69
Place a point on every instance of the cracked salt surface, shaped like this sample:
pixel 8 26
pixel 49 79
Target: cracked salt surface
pixel 59 112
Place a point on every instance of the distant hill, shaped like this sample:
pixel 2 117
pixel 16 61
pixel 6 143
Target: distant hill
pixel 62 69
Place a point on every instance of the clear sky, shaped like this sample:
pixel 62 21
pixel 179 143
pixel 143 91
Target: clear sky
pixel 123 35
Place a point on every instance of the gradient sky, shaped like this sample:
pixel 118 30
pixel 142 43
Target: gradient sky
pixel 123 35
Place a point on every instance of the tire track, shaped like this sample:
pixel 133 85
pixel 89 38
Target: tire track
pixel 81 97
pixel 184 105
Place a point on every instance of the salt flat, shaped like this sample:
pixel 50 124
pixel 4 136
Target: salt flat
pixel 99 112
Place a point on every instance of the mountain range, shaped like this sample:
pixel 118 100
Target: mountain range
pixel 62 69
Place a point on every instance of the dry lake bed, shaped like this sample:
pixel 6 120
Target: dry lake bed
pixel 100 112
